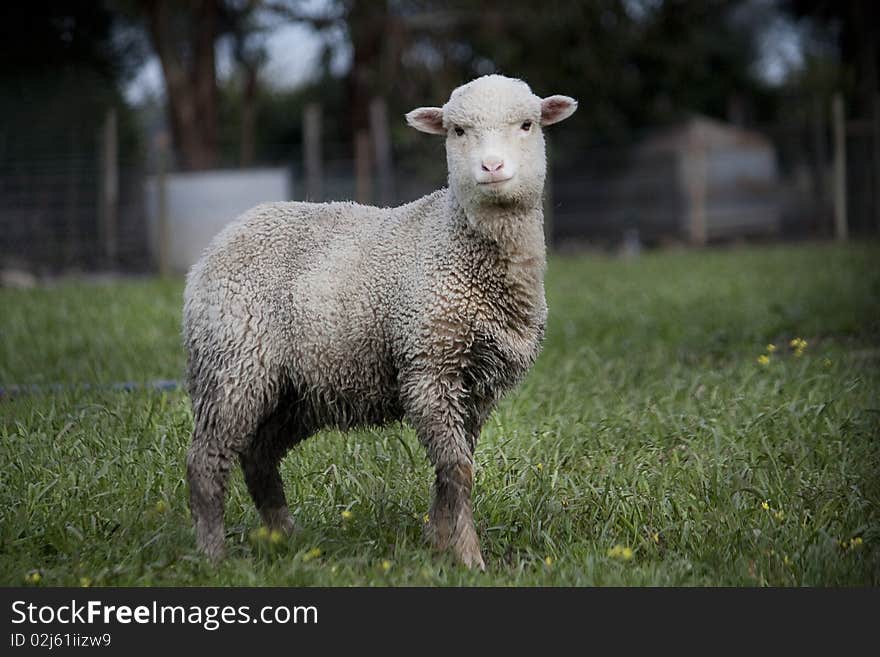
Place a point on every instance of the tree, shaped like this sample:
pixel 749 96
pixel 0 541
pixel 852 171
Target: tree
pixel 853 26
pixel 633 64
pixel 183 37
pixel 70 60
pixel 65 66
pixel 250 54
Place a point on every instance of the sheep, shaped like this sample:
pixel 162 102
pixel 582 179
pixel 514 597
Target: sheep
pixel 300 316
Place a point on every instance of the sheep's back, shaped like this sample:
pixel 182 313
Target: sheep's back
pixel 315 293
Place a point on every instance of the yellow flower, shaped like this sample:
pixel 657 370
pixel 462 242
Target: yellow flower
pixel 779 515
pixel 620 552
pixel 386 565
pixel 564 503
pixel 855 542
pixel 548 560
pixel 161 507
pixel 33 577
pixel 426 519
pixel 798 344
pixel 771 348
pixel 314 553
pixel 656 537
pixel 765 505
pixel 347 515
pixel 85 582
pixel 540 467
pixel 763 359
pixel 275 536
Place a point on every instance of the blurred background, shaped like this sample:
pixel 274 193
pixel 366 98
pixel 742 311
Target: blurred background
pixel 131 131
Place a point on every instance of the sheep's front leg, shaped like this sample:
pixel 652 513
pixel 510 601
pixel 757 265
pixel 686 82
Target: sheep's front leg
pixel 444 429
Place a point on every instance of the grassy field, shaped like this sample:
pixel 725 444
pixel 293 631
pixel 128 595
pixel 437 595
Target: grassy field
pixel 649 446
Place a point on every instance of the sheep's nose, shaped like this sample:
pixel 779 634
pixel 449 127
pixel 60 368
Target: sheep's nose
pixel 491 164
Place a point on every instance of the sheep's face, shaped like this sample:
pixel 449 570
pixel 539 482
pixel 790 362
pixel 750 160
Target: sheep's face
pixel 494 143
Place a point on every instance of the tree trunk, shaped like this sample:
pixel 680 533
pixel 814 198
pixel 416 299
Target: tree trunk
pixel 248 116
pixel 188 63
pixel 367 23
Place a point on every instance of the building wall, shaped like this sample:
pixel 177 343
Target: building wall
pixel 742 195
pixel 693 192
pixel 200 204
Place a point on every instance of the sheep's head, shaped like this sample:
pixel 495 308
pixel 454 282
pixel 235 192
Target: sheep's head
pixel 494 143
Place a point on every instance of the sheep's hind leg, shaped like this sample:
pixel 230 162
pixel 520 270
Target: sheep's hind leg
pixel 260 463
pixel 451 521
pixel 223 427
pixel 207 463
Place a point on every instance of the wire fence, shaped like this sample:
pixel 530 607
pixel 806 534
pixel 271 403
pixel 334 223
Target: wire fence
pixel 775 182
pixel 50 217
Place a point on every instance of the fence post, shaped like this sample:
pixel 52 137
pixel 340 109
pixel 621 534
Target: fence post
pixel 312 152
pixel 162 203
pixel 382 150
pixel 73 246
pixel 363 182
pixel 877 162
pixel 820 157
pixel 109 186
pixel 694 166
pixel 839 123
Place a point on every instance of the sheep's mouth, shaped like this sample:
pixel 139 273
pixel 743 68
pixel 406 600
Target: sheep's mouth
pixel 494 181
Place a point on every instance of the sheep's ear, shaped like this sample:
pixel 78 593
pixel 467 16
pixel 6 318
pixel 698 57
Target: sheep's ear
pixel 427 119
pixel 557 108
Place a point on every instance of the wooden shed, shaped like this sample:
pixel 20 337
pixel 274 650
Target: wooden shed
pixel 700 180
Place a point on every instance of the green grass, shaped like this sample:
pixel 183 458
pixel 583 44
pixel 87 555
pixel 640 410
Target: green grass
pixel 646 423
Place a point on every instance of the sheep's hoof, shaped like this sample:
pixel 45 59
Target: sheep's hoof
pixel 441 533
pixel 216 556
pixel 214 551
pixel 279 519
pixel 210 541
pixel 467 551
pixel 472 559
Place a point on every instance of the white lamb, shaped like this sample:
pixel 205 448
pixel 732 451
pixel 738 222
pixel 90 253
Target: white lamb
pixel 301 316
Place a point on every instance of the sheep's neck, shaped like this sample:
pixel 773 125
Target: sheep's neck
pixel 518 235
pixel 517 230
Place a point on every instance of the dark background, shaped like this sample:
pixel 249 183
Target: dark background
pixel 638 67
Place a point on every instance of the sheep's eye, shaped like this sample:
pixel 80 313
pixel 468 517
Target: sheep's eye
pixel 527 125
pixel 459 130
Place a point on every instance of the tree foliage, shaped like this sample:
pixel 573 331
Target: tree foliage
pixel 632 63
pixel 62 68
pixel 852 27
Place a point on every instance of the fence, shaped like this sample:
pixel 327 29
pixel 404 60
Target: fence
pixel 51 218
pixel 79 208
pixel 89 210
